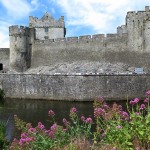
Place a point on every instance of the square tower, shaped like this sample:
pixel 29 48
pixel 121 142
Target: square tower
pixel 47 27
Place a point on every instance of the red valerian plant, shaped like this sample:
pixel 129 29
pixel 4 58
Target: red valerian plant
pixel 115 129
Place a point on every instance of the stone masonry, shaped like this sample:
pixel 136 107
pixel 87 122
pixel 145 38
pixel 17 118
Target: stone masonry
pixel 43 45
pixel 42 63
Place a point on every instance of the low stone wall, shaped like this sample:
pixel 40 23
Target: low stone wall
pixel 75 87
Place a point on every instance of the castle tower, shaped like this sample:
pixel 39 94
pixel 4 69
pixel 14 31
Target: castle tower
pixel 19 48
pixel 138 28
pixel 47 27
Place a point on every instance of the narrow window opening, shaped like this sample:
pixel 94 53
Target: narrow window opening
pixel 46 29
pixel 1 66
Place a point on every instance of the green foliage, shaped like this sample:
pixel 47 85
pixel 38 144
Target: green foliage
pixel 3 142
pixel 116 129
pixel 56 137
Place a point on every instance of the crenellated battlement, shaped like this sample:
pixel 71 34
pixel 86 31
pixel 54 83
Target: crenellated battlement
pixel 46 21
pixel 85 38
pixel 18 31
pixel 139 14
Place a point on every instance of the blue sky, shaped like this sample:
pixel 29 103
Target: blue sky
pixel 82 17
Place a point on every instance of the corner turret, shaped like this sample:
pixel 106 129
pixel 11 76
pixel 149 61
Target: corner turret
pixel 138 28
pixel 19 48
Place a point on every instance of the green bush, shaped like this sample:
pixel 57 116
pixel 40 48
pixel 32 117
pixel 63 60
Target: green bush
pixel 3 141
pixel 116 129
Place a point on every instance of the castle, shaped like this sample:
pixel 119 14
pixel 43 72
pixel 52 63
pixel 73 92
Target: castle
pixel 42 45
pixel 43 64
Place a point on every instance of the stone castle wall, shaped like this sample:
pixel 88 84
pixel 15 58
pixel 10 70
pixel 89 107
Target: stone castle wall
pixel 72 49
pixel 43 44
pixel 111 48
pixel 81 88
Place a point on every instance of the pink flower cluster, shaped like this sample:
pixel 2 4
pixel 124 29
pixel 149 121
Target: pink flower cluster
pixel 135 101
pixel 146 100
pixel 25 139
pixel 99 112
pixel 148 93
pixel 41 126
pixel 51 113
pixel 87 120
pixel 32 130
pixel 142 107
pixel 73 110
pixel 125 114
pixel 51 132
pixel 118 127
pixel 66 123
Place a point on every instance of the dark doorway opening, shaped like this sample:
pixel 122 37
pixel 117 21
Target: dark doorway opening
pixel 1 66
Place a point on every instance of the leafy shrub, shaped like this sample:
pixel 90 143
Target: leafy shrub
pixel 3 141
pixel 116 129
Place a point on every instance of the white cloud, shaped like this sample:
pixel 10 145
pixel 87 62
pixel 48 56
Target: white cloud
pixel 15 11
pixel 100 15
pixel 35 4
pixel 16 8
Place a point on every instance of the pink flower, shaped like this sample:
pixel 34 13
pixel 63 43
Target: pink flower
pixel 142 107
pixel 99 112
pixel 83 118
pixel 51 134
pixel 148 93
pixel 106 106
pixel 47 131
pixel 73 110
pixel 146 100
pixel 125 114
pixel 41 126
pixel 118 127
pixel 54 127
pixel 66 123
pixel 136 100
pixel 32 130
pixel 51 113
pixel 24 135
pixel 89 120
pixel 28 140
pixel 137 113
pixel 132 102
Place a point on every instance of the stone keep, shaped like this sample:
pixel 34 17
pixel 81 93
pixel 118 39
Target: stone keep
pixel 22 38
pixel 47 27
pixel 43 43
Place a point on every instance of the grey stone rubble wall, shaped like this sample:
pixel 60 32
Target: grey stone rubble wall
pixel 81 88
